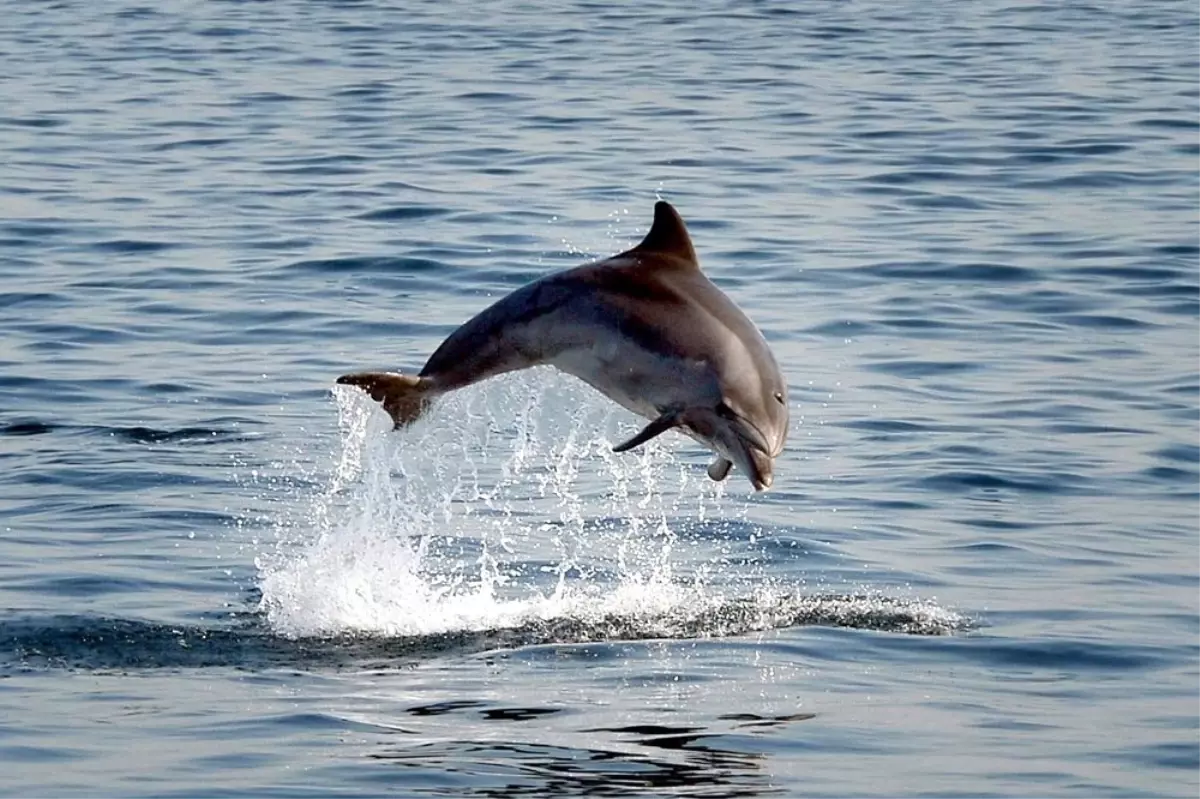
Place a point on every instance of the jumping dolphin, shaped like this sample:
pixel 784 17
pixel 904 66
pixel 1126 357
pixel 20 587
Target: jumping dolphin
pixel 646 329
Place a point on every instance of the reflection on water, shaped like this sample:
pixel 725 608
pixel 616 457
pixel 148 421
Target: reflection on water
pixel 681 760
pixel 702 769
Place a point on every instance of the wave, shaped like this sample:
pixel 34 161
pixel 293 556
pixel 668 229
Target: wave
pixel 84 642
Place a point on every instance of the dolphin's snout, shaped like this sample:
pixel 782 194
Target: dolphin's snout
pixel 754 437
pixel 737 440
pixel 760 455
pixel 762 470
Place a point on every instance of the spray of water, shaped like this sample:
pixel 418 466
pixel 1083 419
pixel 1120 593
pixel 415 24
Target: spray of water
pixel 505 509
pixel 503 505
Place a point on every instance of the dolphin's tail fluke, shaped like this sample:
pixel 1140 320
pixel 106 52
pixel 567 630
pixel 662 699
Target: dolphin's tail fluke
pixel 404 397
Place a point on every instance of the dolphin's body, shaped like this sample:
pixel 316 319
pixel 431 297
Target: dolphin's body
pixel 645 328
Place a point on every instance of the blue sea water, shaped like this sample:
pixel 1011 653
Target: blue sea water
pixel 969 231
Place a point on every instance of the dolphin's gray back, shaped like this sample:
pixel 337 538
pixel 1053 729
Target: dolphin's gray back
pixel 617 314
pixel 516 332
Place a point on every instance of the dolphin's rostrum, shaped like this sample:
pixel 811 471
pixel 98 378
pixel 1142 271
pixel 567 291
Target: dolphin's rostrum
pixel 645 328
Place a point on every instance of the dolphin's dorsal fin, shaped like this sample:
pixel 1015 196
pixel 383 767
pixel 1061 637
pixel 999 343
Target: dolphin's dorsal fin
pixel 668 235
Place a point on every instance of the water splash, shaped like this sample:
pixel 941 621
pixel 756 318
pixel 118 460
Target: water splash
pixel 503 505
pixel 505 509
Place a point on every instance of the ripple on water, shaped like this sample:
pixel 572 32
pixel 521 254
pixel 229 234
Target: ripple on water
pixel 105 643
pixel 968 231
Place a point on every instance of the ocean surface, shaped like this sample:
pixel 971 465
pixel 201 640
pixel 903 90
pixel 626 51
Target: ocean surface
pixel 968 230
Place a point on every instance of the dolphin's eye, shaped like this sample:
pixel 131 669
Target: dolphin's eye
pixel 779 397
pixel 724 411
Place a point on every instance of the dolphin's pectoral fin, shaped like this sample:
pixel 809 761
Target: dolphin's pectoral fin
pixel 656 428
pixel 404 397
pixel 719 469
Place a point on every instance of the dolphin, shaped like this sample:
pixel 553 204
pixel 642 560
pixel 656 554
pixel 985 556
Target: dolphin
pixel 647 329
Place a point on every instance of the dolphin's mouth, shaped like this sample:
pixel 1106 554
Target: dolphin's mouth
pixel 761 470
pixel 755 462
pixel 753 437
pixel 735 440
pixel 750 451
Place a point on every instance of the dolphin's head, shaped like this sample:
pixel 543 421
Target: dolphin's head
pixel 674 322
pixel 747 428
